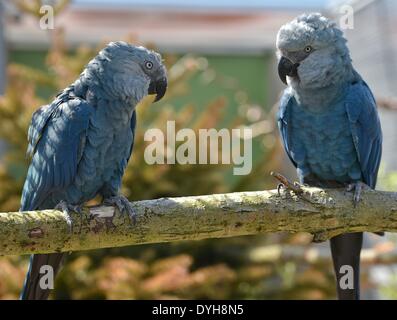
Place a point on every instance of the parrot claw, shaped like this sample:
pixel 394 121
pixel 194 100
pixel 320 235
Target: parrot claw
pixel 280 186
pixel 123 205
pixel 296 187
pixel 286 184
pixel 66 208
pixel 357 187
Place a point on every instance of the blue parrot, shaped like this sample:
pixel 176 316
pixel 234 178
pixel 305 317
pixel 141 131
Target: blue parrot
pixel 328 122
pixel 80 144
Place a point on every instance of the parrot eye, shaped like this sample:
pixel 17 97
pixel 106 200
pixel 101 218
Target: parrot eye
pixel 308 49
pixel 148 65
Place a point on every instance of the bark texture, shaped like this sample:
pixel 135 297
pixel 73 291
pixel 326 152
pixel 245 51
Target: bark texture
pixel 324 213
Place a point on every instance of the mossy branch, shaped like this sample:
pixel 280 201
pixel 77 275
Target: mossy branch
pixel 324 213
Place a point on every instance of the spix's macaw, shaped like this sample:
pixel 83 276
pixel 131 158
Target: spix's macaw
pixel 80 144
pixel 328 122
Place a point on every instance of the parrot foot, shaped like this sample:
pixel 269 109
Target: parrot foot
pixel 286 184
pixel 295 187
pixel 357 186
pixel 66 208
pixel 123 205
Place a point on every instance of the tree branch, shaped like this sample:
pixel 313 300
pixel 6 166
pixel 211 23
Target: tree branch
pixel 326 214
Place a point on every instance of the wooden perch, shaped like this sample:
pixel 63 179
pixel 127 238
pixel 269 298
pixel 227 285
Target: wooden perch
pixel 324 213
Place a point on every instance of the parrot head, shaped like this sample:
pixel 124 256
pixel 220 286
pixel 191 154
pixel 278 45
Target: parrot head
pixel 128 72
pixel 312 52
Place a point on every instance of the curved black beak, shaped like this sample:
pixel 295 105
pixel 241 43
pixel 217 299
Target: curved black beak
pixel 158 87
pixel 287 68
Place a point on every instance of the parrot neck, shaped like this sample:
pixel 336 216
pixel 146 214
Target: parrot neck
pixel 316 88
pixel 126 95
pixel 93 91
pixel 116 111
pixel 320 99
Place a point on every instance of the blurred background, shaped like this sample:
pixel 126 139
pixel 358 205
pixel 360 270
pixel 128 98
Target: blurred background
pixel 222 70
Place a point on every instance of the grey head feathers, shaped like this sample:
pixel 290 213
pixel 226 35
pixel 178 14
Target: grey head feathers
pixel 314 52
pixel 124 72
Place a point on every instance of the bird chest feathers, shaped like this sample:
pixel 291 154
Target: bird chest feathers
pixel 321 143
pixel 107 143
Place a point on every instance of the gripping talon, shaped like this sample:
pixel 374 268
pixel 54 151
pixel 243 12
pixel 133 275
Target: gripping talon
pixel 279 187
pixel 123 205
pixel 350 187
pixel 295 187
pixel 66 208
pixel 288 185
pixel 357 187
pixel 357 194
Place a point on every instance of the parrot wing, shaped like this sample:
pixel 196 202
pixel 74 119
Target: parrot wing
pixel 365 129
pixel 133 125
pixel 56 138
pixel 283 121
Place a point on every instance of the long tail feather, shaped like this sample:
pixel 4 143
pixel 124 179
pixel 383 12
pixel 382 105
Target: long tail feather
pixel 32 289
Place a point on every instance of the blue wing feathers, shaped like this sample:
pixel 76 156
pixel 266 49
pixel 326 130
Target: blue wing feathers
pixel 132 126
pixel 283 119
pixel 39 120
pixel 365 129
pixel 55 142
